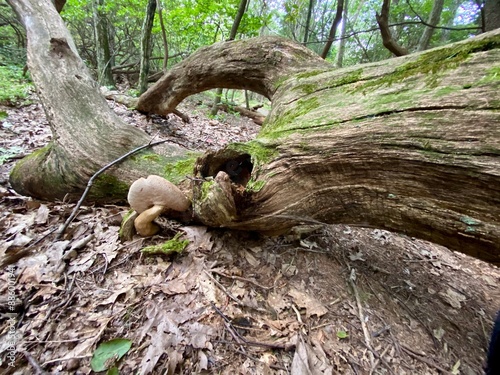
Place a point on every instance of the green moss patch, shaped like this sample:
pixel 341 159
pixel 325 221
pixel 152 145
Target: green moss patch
pixel 108 186
pixel 282 124
pixel 177 171
pixel 173 246
pixel 434 62
pixel 259 152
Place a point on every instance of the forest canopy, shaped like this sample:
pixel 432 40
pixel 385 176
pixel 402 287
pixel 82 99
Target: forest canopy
pixel 190 24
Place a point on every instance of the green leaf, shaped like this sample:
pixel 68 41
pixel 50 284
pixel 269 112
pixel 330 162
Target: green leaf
pixel 342 334
pixel 108 353
pixel 7 153
pixel 113 371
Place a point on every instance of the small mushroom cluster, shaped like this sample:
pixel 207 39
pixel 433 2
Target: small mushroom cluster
pixel 152 196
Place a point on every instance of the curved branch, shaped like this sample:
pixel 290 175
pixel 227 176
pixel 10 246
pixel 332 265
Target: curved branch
pixel 387 39
pixel 241 64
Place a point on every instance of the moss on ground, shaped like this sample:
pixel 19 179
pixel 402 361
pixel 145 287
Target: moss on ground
pixel 173 246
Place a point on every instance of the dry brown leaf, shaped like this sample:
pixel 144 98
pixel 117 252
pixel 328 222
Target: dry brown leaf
pixel 453 298
pixel 306 301
pixel 42 214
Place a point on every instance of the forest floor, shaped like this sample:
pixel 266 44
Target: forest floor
pixel 320 300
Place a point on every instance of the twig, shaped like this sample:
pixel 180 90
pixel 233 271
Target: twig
pixel 65 359
pixel 58 341
pixel 274 367
pixel 33 362
pixel 412 354
pixel 224 289
pixel 297 312
pixel 91 181
pixel 243 279
pixel 240 339
pixel 381 359
pixel 361 317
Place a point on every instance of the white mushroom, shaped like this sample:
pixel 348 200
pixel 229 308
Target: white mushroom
pixel 151 196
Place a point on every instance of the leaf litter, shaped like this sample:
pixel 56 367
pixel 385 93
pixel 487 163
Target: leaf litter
pixel 232 302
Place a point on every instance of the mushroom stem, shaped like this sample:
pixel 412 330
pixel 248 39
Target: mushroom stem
pixel 144 222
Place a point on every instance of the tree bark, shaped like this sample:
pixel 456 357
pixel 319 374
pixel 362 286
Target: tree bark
pixel 269 61
pixel 101 30
pixel 333 29
pixel 147 27
pixel 491 15
pixel 411 145
pixel 163 35
pixel 433 20
pixel 308 21
pixel 339 59
pixel 387 39
pixel 232 36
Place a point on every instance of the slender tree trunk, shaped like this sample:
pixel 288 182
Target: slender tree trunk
pixel 237 20
pixel 340 53
pixel 433 20
pixel 101 30
pixel 163 36
pixel 147 27
pixel 491 15
pixel 445 33
pixel 247 100
pixel 333 29
pixel 308 21
pixel 232 36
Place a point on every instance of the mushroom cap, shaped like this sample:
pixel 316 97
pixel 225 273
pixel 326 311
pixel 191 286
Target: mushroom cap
pixel 145 193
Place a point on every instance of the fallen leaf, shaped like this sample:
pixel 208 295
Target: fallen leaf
pixel 42 214
pixel 305 301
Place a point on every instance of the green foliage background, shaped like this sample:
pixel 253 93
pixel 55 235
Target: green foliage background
pixel 191 24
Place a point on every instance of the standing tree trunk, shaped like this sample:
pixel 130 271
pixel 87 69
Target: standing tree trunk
pixel 163 36
pixel 491 15
pixel 232 35
pixel 308 21
pixel 103 50
pixel 410 144
pixel 333 29
pixel 339 60
pixel 147 27
pixel 433 20
pixel 452 11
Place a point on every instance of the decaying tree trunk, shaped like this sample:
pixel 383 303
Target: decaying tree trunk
pixel 86 133
pixel 410 144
